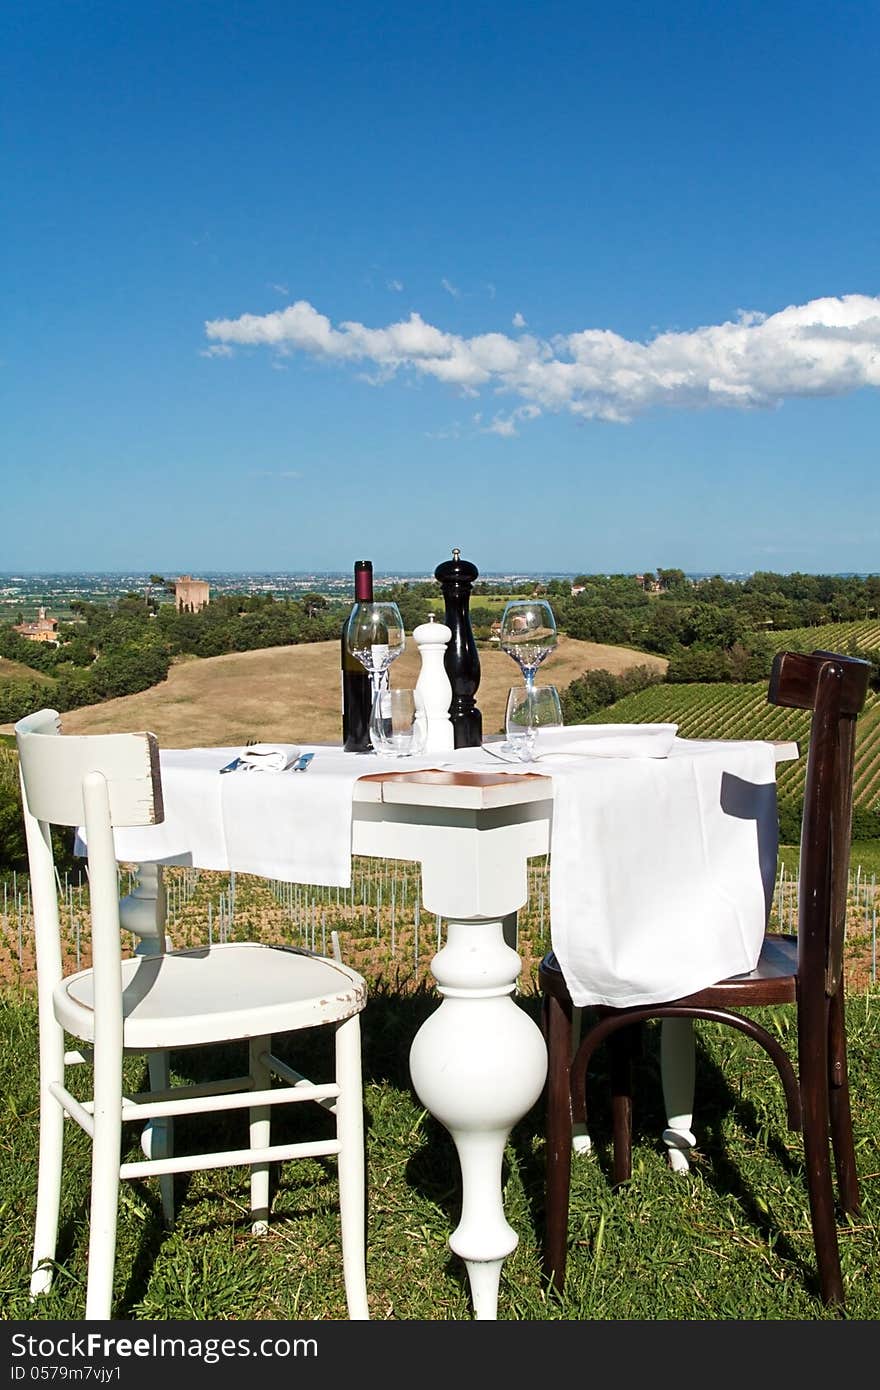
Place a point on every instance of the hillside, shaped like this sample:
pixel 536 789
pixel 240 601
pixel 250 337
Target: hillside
pixel 16 671
pixel 742 711
pixel 862 636
pixel 292 694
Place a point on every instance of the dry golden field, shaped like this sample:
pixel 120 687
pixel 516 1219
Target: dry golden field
pixel 292 694
pixel 15 671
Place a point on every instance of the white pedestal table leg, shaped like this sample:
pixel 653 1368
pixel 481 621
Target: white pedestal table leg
pixel 143 912
pixel 677 1069
pixel 478 1064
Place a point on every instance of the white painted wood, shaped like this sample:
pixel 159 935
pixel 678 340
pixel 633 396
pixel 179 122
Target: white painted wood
pixel 161 1000
pixel 478 1064
pixel 55 773
pixel 677 1068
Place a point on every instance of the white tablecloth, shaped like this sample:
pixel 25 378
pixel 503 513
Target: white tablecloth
pixel 661 867
pixel 294 826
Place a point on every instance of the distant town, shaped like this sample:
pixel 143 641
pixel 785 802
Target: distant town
pixel 23 595
pixel 42 598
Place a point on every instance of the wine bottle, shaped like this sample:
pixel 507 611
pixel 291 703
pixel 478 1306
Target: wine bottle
pixel 356 689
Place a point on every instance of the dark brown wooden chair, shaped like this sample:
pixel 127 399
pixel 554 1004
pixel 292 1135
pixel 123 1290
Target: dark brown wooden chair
pixel 805 971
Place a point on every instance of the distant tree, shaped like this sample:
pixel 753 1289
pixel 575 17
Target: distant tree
pixel 672 581
pixel 596 690
pixel 313 603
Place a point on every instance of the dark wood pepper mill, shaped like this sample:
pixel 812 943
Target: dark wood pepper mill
pixel 462 660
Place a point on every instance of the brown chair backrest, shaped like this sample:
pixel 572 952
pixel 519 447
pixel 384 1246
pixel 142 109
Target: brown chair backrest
pixel 834 688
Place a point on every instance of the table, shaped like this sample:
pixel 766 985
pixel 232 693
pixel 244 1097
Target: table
pixel 479 1062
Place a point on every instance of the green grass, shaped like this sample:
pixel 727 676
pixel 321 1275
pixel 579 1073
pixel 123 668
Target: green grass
pixel 730 1240
pixel 863 854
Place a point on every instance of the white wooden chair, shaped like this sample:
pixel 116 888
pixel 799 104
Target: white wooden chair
pixel 156 1004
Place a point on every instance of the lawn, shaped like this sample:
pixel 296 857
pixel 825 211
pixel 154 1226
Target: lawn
pixel 730 1240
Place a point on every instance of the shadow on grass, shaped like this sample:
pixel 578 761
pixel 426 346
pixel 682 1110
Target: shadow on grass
pixel 717 1109
pixel 429 1164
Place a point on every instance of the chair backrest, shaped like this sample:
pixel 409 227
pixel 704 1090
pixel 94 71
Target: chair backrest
pixel 96 781
pixel 834 688
pixel 53 771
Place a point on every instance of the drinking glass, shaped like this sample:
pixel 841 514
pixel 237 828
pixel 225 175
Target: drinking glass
pixel 530 709
pixel 528 634
pixel 375 635
pixel 397 724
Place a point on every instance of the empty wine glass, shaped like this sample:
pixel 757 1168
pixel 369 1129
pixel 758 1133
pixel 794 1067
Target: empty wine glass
pixel 375 635
pixel 530 709
pixel 528 634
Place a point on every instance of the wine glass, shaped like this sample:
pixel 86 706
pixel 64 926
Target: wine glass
pixel 375 635
pixel 530 709
pixel 528 634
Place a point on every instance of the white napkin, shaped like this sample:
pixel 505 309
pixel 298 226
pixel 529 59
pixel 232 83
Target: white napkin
pixel 268 757
pixel 661 869
pixel 607 741
pixel 594 741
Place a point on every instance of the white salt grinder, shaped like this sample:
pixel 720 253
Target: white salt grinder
pixel 432 687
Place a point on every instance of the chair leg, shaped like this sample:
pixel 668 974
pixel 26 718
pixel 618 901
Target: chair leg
pixel 677 1069
pixel 621 1046
pixel 158 1137
pixel 839 1110
pixel 106 1154
pixel 352 1182
pixel 260 1135
pixel 49 1166
pixel 557 1031
pixel 580 1135
pixel 813 1069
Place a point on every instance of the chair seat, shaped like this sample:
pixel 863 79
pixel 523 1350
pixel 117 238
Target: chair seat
pixel 773 981
pixel 216 994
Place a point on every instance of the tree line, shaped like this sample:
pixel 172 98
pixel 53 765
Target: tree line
pixel 711 629
pixel 118 649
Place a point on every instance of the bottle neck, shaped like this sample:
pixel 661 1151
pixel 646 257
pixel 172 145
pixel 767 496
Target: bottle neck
pixel 363 582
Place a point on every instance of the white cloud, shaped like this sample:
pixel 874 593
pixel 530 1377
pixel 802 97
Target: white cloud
pixel 518 320
pixel 396 285
pixel 506 425
pixel 450 288
pixel 828 347
pixel 281 289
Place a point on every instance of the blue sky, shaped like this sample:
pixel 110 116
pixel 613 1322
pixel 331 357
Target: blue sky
pixel 570 286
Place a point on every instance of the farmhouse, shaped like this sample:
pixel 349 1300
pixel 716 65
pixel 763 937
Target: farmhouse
pixel 41 629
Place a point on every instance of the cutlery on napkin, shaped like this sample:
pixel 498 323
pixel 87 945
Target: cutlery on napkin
pixel 263 757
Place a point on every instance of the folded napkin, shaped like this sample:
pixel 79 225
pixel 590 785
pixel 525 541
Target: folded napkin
pixel 267 757
pixel 607 741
